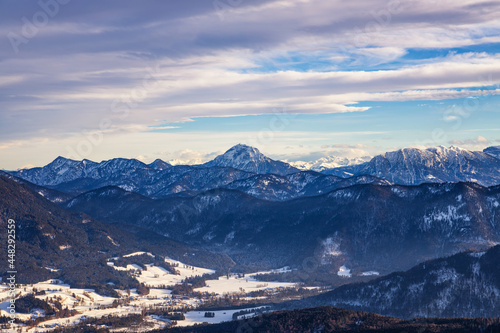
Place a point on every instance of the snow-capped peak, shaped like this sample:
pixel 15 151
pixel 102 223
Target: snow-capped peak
pixel 250 159
pixel 240 152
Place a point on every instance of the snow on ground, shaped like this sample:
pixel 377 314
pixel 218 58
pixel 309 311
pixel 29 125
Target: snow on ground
pixel 279 270
pixel 370 273
pixel 90 304
pixel 234 285
pixel 157 276
pixel 137 254
pixel 198 317
pixel 86 302
pixel 189 271
pixel 132 267
pixel 154 276
pixel 477 254
pixel 344 272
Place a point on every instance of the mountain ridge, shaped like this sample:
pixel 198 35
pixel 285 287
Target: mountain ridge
pixel 364 226
pixel 462 285
pixel 413 166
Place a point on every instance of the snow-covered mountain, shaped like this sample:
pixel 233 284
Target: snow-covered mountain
pixel 244 168
pixel 411 166
pixel 330 162
pixel 63 170
pixel 493 151
pixel 250 159
pixel 464 285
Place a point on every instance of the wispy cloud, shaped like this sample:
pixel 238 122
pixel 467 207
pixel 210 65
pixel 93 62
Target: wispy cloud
pixel 315 57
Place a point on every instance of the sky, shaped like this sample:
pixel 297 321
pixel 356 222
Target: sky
pixel 298 79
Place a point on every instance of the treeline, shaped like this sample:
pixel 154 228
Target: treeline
pixel 95 325
pixel 190 283
pixel 257 311
pixel 144 259
pixel 51 307
pixel 164 313
pixel 330 319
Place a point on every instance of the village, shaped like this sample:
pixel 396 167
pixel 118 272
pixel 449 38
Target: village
pixel 166 303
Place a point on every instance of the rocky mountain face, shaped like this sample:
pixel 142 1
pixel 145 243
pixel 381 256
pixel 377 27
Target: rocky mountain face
pixel 250 159
pixel 364 227
pixel 411 166
pixel 463 285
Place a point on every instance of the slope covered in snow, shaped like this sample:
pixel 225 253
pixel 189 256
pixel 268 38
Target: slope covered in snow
pixel 250 159
pixel 411 166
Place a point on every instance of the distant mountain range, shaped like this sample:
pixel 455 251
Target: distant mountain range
pixel 411 166
pixel 284 215
pixel 241 168
pixel 245 169
pixel 330 162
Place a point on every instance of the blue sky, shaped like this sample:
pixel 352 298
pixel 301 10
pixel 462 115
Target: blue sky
pixel 298 79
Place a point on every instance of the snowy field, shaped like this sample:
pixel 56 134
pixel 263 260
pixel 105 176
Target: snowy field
pixel 154 276
pixel 198 317
pixel 235 285
pixel 92 305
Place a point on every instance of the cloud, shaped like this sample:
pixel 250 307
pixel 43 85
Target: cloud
pixel 477 143
pixel 191 157
pixel 142 66
pixel 347 146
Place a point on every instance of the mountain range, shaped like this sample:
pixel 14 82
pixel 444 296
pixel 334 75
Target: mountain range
pixel 411 166
pixel 247 211
pixel 330 162
pixel 241 168
pixel 365 227
pixel 243 200
pixel 52 242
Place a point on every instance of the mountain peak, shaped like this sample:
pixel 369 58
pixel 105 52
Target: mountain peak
pixel 250 159
pixel 159 164
pixel 61 160
pixel 241 149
